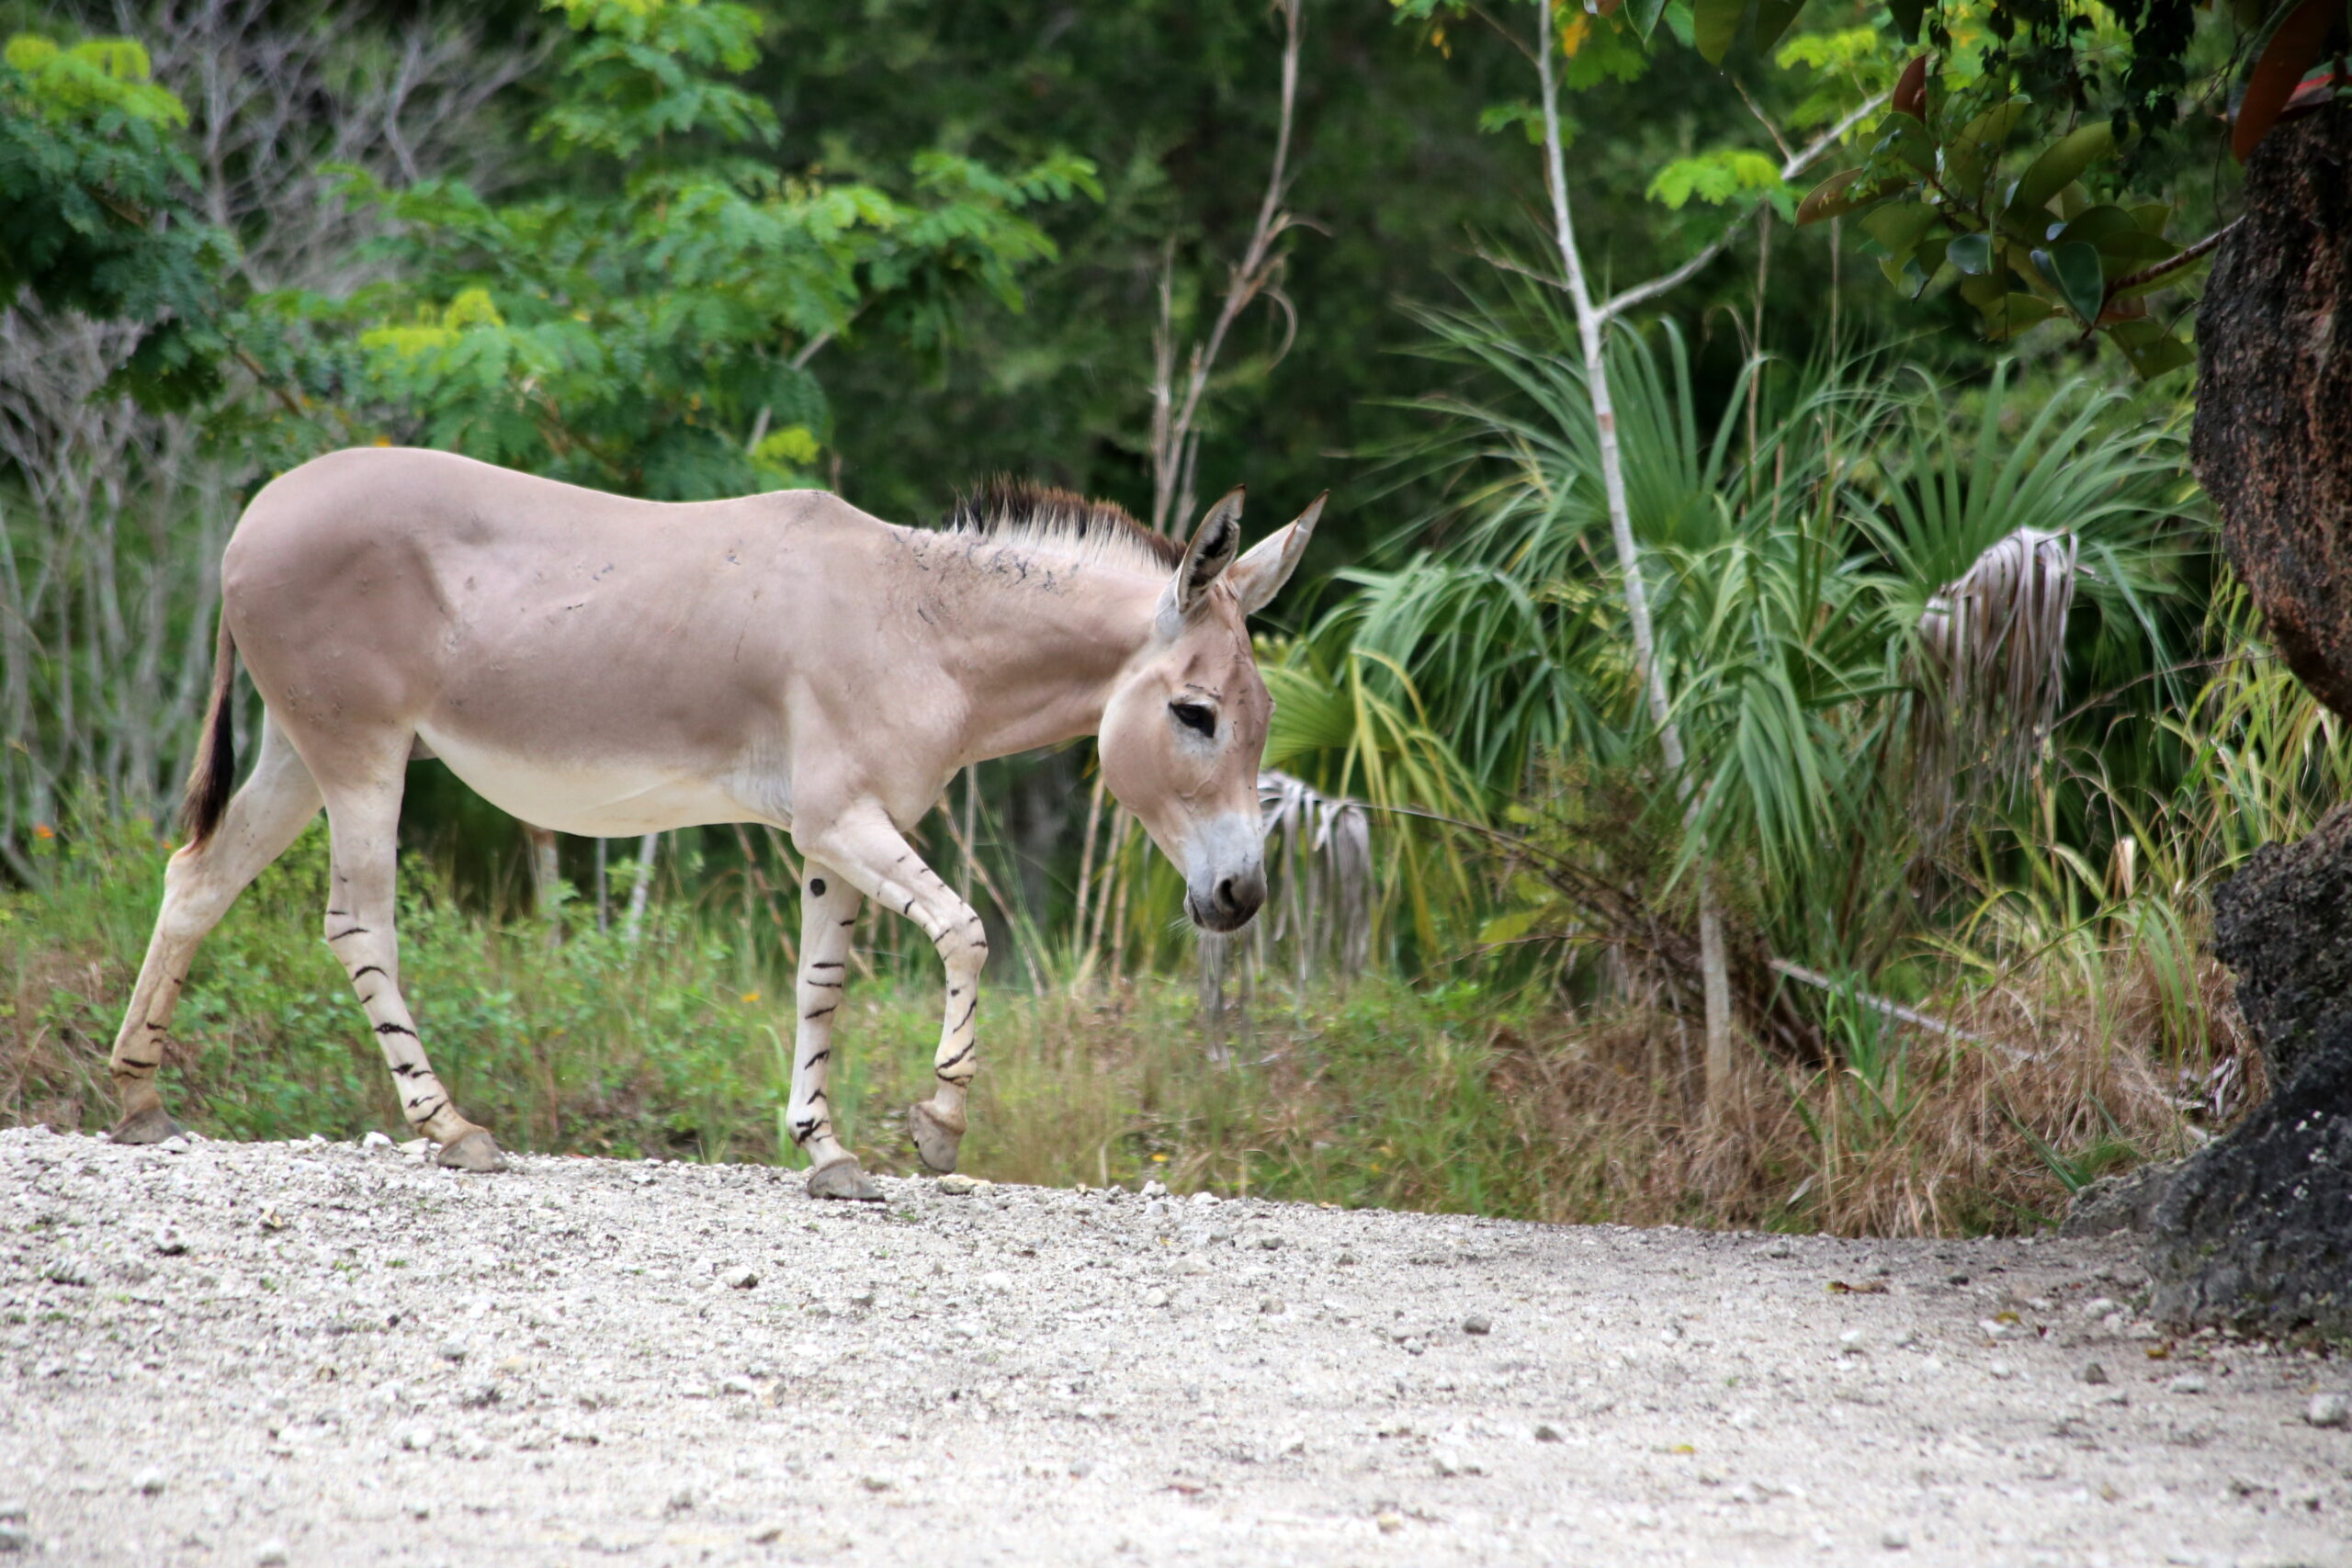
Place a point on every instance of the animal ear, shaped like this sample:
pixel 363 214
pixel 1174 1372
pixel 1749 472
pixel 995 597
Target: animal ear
pixel 1256 577
pixel 1215 544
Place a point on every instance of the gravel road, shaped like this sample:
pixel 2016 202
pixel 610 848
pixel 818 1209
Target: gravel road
pixel 320 1353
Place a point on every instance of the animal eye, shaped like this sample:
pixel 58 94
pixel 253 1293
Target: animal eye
pixel 1193 716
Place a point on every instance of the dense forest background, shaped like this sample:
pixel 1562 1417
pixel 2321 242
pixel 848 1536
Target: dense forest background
pixel 1950 717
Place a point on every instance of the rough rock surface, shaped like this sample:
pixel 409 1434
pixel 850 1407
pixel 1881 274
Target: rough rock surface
pixel 322 1354
pixel 2273 444
pixel 2256 1230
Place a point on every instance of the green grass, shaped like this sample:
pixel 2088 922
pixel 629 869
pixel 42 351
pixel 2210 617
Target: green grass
pixel 1450 1096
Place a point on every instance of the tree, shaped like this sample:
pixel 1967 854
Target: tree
pixel 2025 142
pixel 94 209
pixel 644 320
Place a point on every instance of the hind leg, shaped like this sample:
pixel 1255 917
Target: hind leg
pixel 199 884
pixel 363 815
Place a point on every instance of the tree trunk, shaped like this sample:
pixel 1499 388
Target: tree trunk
pixel 2253 1229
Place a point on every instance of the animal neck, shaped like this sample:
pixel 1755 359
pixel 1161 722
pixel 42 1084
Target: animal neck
pixel 1039 652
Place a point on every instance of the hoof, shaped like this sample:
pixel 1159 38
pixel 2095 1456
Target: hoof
pixel 843 1179
pixel 152 1125
pixel 936 1137
pixel 476 1150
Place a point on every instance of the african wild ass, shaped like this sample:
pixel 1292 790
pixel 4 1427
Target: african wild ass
pixel 605 666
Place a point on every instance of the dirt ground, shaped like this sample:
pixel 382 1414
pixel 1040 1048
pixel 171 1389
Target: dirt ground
pixel 319 1353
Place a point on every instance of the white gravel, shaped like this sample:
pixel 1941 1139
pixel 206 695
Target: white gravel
pixel 320 1353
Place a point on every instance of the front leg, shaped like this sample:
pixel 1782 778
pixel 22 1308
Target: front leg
pixel 828 909
pixel 872 854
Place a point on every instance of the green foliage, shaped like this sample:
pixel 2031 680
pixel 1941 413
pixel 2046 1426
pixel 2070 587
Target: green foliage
pixel 644 324
pixel 1722 176
pixel 95 209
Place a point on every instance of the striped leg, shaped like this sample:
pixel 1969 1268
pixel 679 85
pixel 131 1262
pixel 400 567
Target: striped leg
pixel 828 909
pixel 871 853
pixel 199 885
pixel 364 820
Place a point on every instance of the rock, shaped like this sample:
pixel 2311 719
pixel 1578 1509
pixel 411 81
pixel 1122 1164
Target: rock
pixel 15 1538
pixel 1477 1322
pixel 682 1501
pixel 149 1482
pixel 1388 1524
pixel 1204 1199
pixel 2093 1372
pixel 1155 1190
pixel 996 1281
pixel 739 1279
pixel 1546 1433
pixel 271 1554
pixel 1895 1537
pixel 1347 1257
pixel 14 1511
pixel 2115 1203
pixel 2250 1233
pixel 1271 1304
pixel 1850 1342
pixel 170 1244
pixel 2329 1410
pixel 417 1439
pixel 874 1483
pixel 2188 1383
pixel 1155 1298
pixel 453 1349
pixel 373 1141
pixel 1268 1241
pixel 957 1185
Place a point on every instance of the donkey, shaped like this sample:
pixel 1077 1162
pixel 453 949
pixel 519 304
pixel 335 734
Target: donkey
pixel 611 666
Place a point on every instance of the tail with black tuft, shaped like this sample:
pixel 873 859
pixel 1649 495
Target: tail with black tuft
pixel 214 778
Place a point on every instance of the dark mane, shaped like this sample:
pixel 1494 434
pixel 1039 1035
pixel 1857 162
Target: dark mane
pixel 1025 510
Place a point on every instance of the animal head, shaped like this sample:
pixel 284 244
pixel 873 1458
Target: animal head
pixel 1186 728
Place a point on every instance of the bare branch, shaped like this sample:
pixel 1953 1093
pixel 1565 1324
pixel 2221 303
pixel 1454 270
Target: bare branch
pixel 1792 166
pixel 1175 439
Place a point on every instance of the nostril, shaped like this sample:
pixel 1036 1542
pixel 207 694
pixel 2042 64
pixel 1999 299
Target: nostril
pixel 1225 898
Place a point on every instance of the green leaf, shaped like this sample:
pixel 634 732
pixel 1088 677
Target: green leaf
pixel 2073 270
pixel 1973 253
pixel 1772 19
pixel 2061 164
pixel 1715 23
pixel 1969 156
pixel 2150 348
pixel 2014 312
pixel 1899 226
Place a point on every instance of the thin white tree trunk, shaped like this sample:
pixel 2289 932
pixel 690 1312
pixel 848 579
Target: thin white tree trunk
pixel 642 894
pixel 1592 328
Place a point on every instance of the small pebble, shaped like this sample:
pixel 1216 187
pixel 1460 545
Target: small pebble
pixel 1271 1304
pixel 1895 1537
pixel 2093 1372
pixel 957 1185
pixel 2329 1410
pixel 739 1279
pixel 271 1554
pixel 453 1349
pixel 149 1482
pixel 997 1281
pixel 1271 1241
pixel 2188 1383
pixel 1203 1200
pixel 1477 1322
pixel 1389 1523
pixel 15 1538
pixel 1546 1433
pixel 1348 1256
pixel 1155 1298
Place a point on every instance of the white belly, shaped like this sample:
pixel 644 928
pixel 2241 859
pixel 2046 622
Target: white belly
pixel 594 801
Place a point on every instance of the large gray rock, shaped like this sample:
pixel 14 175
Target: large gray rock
pixel 2256 1230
